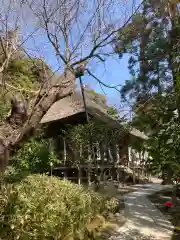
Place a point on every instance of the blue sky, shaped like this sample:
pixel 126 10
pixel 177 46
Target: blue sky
pixel 113 72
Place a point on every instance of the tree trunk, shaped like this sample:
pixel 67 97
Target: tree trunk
pixel 13 132
pixel 174 50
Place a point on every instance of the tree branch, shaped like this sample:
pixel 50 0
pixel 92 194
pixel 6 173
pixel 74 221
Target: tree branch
pixel 105 85
pixel 55 42
pixel 102 42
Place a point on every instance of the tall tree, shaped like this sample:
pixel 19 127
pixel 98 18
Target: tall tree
pixel 175 48
pixel 154 86
pixel 147 41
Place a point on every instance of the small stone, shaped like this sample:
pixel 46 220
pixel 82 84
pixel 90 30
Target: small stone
pixel 117 214
pixel 110 214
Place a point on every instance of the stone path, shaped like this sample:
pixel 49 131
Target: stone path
pixel 144 220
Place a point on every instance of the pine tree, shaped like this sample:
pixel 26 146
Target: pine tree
pixel 147 40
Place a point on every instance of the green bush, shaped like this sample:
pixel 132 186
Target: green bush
pixel 42 207
pixel 5 107
pixel 23 75
pixel 36 156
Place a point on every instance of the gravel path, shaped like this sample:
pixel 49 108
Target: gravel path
pixel 144 220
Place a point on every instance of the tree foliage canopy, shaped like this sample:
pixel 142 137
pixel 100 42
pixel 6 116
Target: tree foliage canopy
pixel 153 88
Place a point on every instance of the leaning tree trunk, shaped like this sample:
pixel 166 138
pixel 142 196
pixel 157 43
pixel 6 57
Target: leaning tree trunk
pixel 20 124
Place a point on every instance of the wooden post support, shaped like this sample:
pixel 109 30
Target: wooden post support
pixel 101 177
pixel 65 174
pixel 79 165
pixel 65 152
pixel 102 157
pixel 89 176
pixel 79 174
pixel 117 162
pixel 65 157
pixel 89 168
pixel 138 174
pixel 105 155
pixel 98 153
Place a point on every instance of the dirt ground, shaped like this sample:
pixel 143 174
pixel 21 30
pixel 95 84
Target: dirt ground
pixel 173 214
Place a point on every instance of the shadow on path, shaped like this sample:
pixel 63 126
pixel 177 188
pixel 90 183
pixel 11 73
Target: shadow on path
pixel 144 220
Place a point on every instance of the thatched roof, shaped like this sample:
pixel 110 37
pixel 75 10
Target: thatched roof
pixel 74 104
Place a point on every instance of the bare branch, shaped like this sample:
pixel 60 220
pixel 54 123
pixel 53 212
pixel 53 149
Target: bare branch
pixel 104 84
pixel 54 41
pixel 104 42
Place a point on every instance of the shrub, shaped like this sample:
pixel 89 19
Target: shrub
pixel 13 175
pixel 5 107
pixel 43 207
pixel 35 156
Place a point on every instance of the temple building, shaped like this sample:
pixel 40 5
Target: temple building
pixel 108 160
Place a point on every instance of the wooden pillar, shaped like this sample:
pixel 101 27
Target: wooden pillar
pixel 109 154
pixel 104 174
pixel 132 156
pixel 89 175
pixel 65 152
pixel 79 165
pixel 117 154
pixel 99 161
pixel 139 165
pixel 79 174
pixel 65 157
pixel 139 174
pixel 117 162
pixel 65 174
pixel 105 155
pixel 101 177
pixel 102 156
pixel 98 151
pixel 89 166
pixel 129 156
